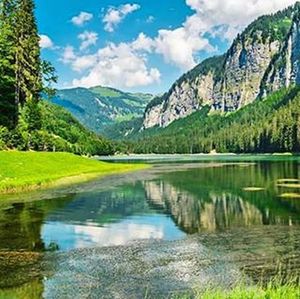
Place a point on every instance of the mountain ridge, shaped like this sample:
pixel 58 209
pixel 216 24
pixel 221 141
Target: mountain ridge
pixel 250 69
pixel 266 126
pixel 98 107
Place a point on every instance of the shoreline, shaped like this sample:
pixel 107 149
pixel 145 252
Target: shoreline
pixel 64 181
pixel 37 178
pixel 218 157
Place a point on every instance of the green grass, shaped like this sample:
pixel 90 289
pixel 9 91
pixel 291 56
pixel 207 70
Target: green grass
pixel 107 92
pixel 273 290
pixel 32 170
pixel 283 292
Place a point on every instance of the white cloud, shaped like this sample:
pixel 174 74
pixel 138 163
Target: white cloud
pixel 114 16
pixel 179 46
pixel 81 63
pixel 68 55
pixel 116 65
pixel 46 42
pixel 129 8
pixel 143 42
pixel 150 19
pixel 78 63
pixel 233 15
pixel 88 38
pixel 82 18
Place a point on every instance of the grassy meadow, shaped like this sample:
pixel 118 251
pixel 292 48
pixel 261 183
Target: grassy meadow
pixel 32 170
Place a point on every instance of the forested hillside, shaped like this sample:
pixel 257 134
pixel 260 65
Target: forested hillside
pixel 124 129
pixel 269 125
pixel 99 107
pixel 26 122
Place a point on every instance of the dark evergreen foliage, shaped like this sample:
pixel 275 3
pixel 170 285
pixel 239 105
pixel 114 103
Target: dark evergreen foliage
pixel 8 107
pixel 26 122
pixel 270 125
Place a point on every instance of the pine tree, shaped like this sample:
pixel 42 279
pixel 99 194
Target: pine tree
pixel 28 62
pixel 8 105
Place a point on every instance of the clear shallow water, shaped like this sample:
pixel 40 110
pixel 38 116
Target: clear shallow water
pixel 71 235
pixel 171 203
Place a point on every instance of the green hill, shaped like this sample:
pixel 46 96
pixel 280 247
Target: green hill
pixel 60 131
pixel 99 107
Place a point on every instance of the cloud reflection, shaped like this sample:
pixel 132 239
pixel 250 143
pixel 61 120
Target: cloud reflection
pixel 69 236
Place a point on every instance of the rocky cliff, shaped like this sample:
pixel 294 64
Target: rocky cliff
pixel 263 59
pixel 285 67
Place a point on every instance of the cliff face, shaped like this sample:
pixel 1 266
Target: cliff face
pixel 263 59
pixel 285 67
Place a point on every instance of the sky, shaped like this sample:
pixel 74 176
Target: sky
pixel 139 45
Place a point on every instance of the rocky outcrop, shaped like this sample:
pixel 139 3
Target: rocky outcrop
pixel 284 70
pixel 259 61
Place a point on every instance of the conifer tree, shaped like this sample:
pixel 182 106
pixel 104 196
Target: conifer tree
pixel 28 62
pixel 8 105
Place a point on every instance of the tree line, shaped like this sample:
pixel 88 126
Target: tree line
pixel 266 126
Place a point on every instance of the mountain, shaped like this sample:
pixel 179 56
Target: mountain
pixel 61 129
pixel 264 126
pixel 246 100
pixel 261 60
pixel 98 107
pixel 124 129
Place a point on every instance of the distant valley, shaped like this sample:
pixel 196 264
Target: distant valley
pixel 246 100
pixel 99 108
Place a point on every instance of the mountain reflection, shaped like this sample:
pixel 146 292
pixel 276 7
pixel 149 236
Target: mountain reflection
pixel 194 214
pixel 165 206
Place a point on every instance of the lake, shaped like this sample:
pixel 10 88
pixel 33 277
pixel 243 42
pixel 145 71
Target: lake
pixel 169 228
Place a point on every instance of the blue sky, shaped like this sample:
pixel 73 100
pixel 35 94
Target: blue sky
pixel 142 45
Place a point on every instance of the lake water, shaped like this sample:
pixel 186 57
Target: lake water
pixel 211 201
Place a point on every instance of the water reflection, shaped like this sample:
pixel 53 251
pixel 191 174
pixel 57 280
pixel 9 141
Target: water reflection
pixel 70 236
pixel 216 198
pixel 195 214
pixel 20 228
pixel 165 207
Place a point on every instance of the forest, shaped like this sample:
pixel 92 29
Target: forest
pixel 265 126
pixel 26 121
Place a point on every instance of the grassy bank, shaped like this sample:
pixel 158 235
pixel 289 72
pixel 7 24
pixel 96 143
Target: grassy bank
pixel 32 170
pixel 290 290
